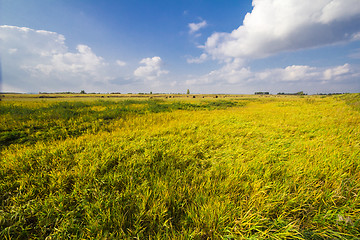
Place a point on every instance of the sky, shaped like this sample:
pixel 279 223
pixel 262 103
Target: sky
pixel 169 46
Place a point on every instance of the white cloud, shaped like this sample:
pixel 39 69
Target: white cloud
pixel 120 63
pixel 194 27
pixel 294 73
pixel 339 10
pixel 200 59
pixel 336 72
pixel 275 26
pixel 232 72
pixel 337 79
pixel 38 60
pixel 356 37
pixel 151 70
pixel 83 62
pixel 30 41
pixel 290 78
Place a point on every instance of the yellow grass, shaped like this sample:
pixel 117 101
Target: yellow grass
pixel 239 167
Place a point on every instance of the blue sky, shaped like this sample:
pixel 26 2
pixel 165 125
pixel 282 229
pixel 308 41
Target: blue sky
pixel 169 46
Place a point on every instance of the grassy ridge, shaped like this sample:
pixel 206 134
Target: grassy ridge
pixel 272 168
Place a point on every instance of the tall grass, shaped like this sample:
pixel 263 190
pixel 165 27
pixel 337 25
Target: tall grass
pixel 30 122
pixel 273 168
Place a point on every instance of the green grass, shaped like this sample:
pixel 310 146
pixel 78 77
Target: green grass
pixel 60 120
pixel 353 100
pixel 242 168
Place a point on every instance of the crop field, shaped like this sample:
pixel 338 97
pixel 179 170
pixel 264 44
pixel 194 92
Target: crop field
pixel 232 167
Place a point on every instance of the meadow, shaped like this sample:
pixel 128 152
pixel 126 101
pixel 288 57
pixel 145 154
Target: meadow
pixel 152 167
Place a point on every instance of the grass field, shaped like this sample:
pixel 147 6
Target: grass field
pixel 232 167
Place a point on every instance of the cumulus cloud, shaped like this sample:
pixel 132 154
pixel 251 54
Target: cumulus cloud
pixel 30 41
pixel 297 77
pixel 200 59
pixel 151 69
pixel 232 72
pixel 39 60
pixel 277 26
pixel 194 27
pixel 336 73
pixel 83 62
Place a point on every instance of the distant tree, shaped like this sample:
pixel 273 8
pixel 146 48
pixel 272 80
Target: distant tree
pixel 82 92
pixel 188 91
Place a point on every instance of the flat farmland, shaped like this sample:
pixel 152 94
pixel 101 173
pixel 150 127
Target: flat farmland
pixel 179 167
